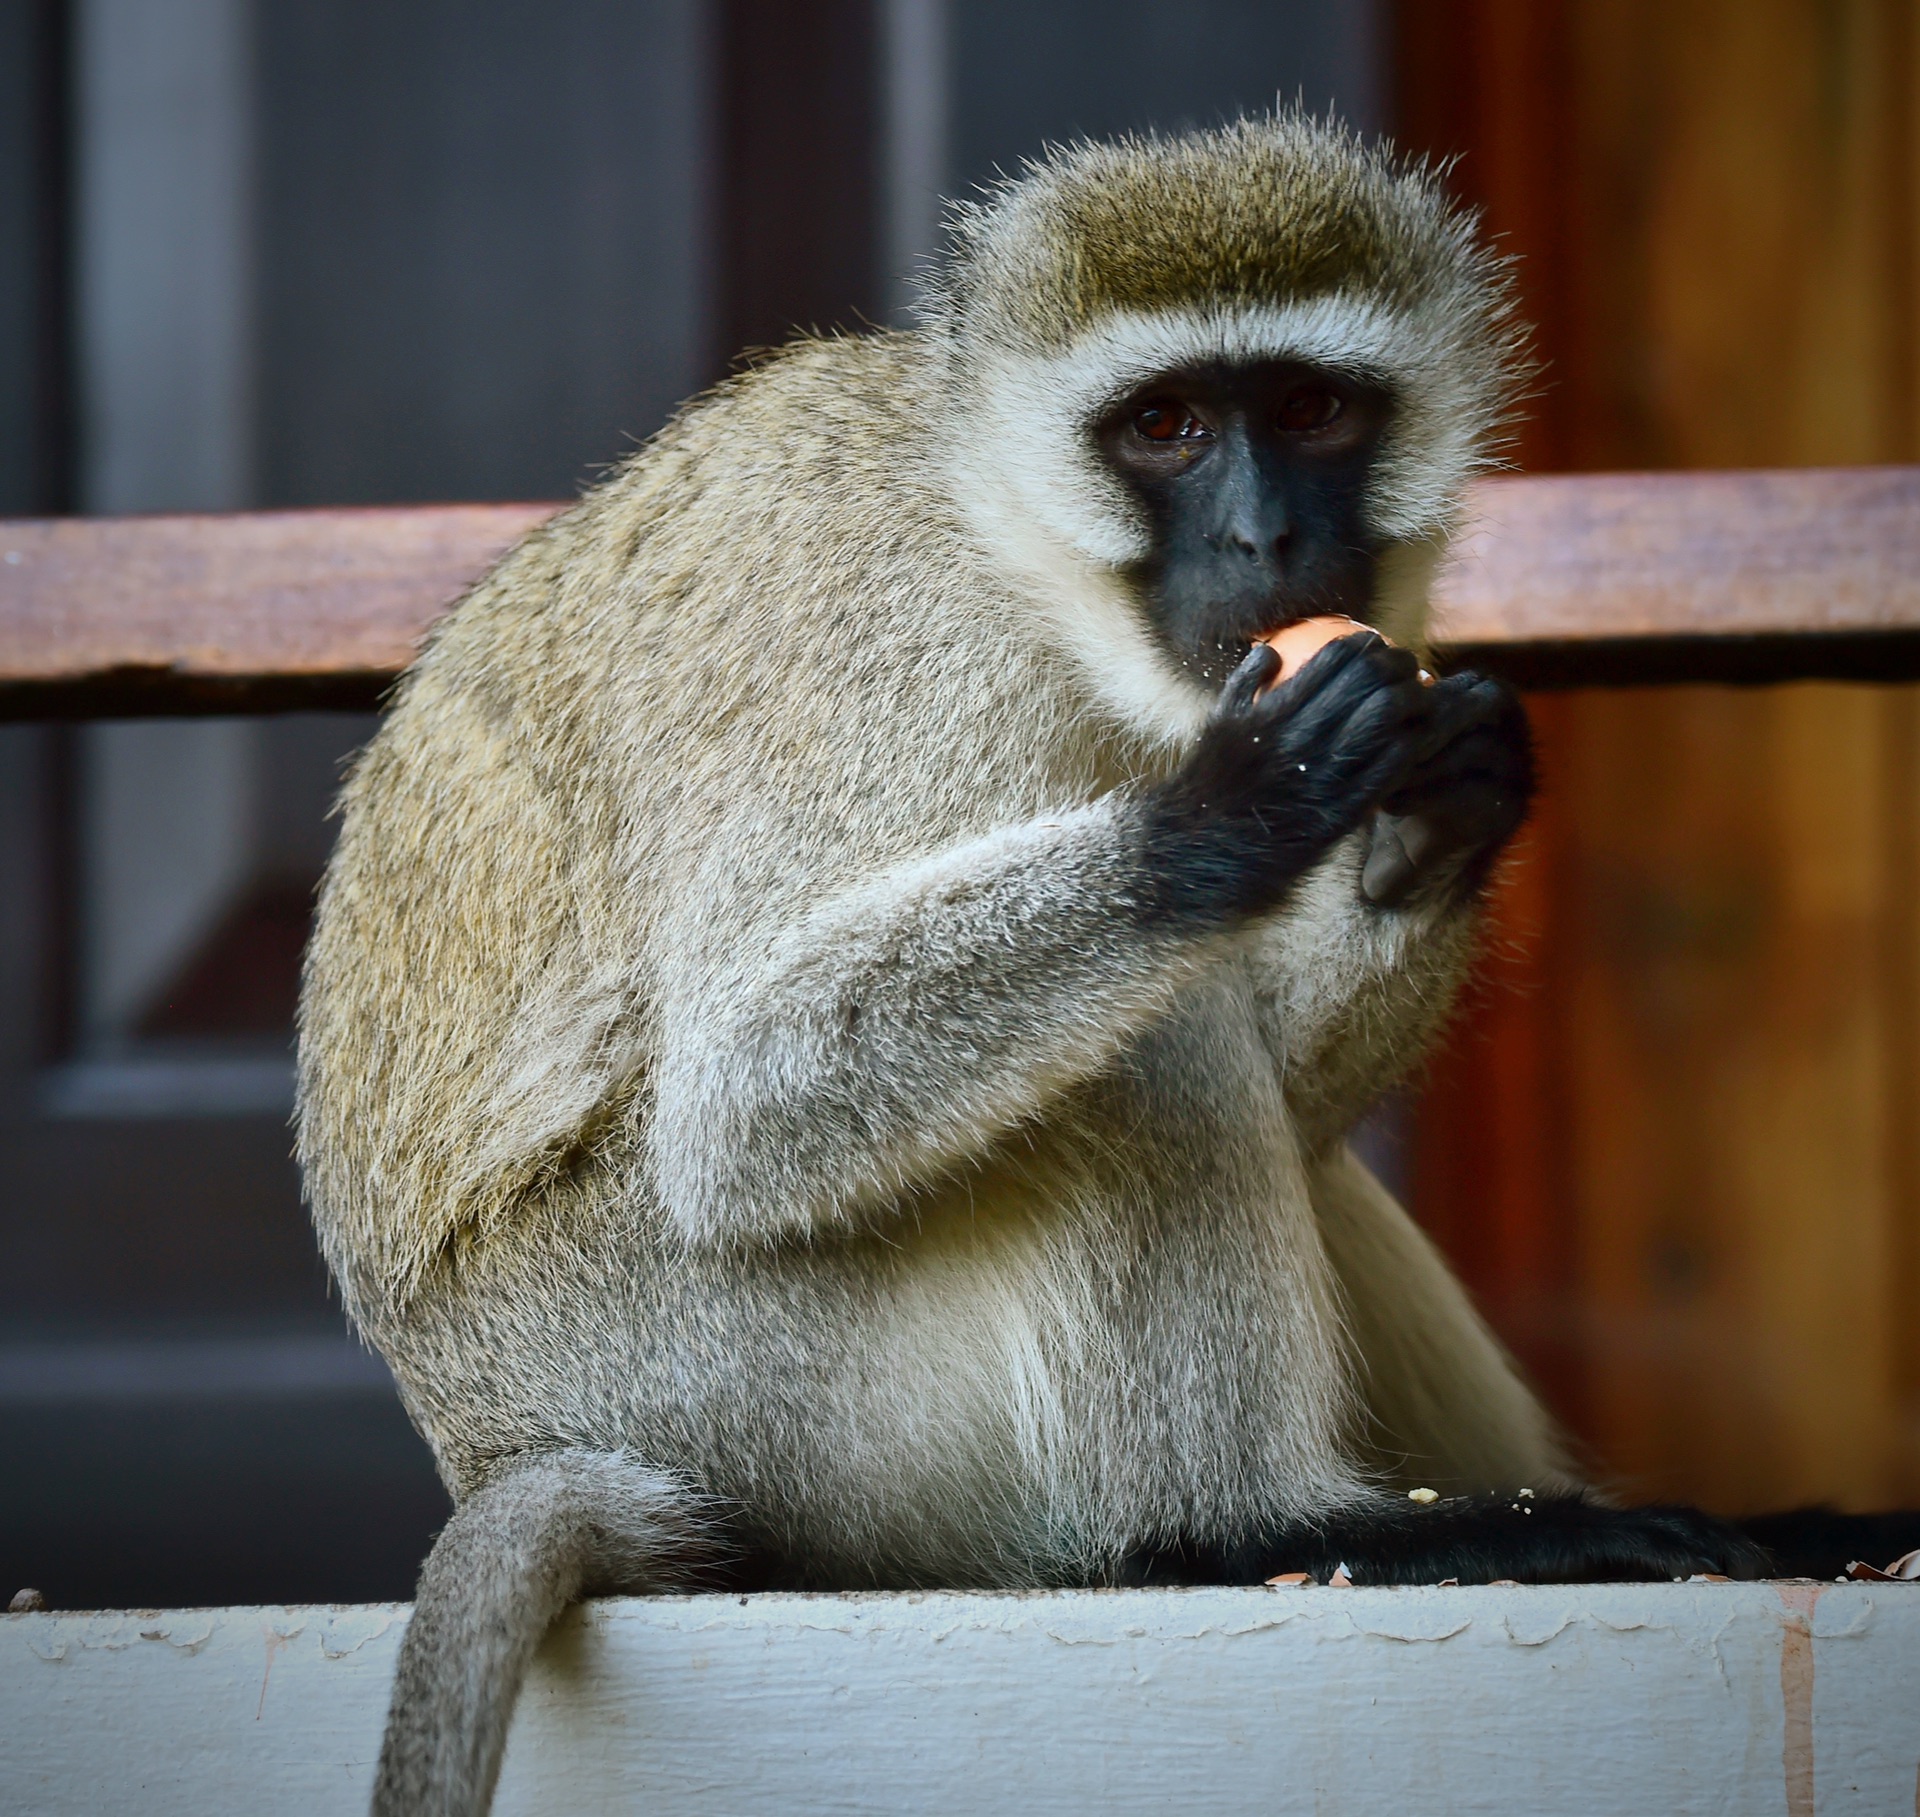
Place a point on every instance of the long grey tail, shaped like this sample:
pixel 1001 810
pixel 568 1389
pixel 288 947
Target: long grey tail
pixel 538 1535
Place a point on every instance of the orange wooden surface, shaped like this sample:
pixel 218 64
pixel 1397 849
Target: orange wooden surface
pixel 1675 1146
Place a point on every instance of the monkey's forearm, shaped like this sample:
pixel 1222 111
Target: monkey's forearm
pixel 909 1023
pixel 1352 995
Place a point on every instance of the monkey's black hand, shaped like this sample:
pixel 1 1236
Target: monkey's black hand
pixel 1465 798
pixel 1275 779
pixel 1533 1539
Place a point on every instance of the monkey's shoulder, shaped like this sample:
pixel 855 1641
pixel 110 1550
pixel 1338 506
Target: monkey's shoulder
pixel 773 613
pixel 801 510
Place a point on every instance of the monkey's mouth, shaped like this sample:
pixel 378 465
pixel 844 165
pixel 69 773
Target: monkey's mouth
pixel 1273 627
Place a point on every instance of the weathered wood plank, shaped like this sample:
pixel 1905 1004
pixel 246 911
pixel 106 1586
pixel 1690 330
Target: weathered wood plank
pixel 1560 581
pixel 1584 579
pixel 249 612
pixel 1613 1700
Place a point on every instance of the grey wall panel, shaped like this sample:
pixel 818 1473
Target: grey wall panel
pixel 480 241
pixel 1029 71
pixel 35 410
pixel 164 245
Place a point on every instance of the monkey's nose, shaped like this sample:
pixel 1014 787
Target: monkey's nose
pixel 1255 547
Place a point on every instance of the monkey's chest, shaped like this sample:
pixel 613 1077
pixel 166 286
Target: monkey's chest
pixel 1122 1325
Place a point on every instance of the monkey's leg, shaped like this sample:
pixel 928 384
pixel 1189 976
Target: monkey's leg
pixel 540 1534
pixel 1446 1407
pixel 1525 1537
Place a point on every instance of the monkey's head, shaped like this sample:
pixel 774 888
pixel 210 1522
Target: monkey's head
pixel 1219 383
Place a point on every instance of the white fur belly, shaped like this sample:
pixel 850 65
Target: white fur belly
pixel 961 1389
pixel 1126 1330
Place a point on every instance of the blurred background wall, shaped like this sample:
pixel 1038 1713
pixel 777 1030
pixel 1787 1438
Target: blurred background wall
pixel 307 253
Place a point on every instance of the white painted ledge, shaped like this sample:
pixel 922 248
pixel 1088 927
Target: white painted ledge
pixel 1641 1700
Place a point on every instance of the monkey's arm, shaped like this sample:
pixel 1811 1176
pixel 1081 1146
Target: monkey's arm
pixel 1360 969
pixel 1351 996
pixel 909 1023
pixel 906 1024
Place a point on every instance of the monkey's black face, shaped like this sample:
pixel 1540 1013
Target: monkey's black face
pixel 1254 478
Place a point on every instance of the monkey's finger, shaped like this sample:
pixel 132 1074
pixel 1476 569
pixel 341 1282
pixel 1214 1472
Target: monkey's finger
pixel 1486 760
pixel 1462 703
pixel 1258 667
pixel 1481 751
pixel 1393 712
pixel 1338 685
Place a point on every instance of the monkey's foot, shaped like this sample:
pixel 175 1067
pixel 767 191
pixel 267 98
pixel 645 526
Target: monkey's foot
pixel 1523 1537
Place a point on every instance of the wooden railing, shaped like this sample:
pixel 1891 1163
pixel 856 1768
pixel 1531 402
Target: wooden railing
pixel 1585 580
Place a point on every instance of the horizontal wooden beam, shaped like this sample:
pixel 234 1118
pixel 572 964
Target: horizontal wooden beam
pixel 1608 578
pixel 1613 1700
pixel 245 613
pixel 1562 581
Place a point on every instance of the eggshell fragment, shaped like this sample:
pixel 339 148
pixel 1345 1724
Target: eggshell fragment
pixel 1287 1580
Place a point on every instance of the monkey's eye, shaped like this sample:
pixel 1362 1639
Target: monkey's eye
pixel 1166 421
pixel 1308 407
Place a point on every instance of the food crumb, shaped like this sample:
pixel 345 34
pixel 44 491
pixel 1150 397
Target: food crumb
pixel 1423 1496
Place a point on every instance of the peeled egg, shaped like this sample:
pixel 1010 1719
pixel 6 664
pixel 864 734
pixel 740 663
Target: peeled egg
pixel 1298 644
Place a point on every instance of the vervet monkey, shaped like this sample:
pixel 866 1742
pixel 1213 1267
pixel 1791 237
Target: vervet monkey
pixel 834 1019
